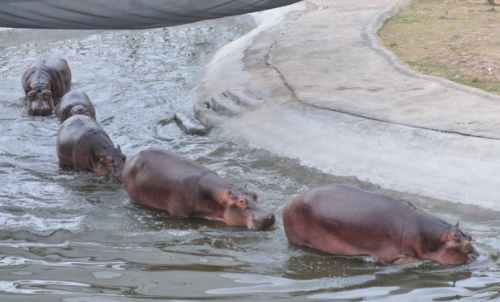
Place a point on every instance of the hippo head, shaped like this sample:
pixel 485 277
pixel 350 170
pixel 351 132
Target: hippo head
pixel 39 99
pixel 241 209
pixel 79 110
pixel 111 163
pixel 455 247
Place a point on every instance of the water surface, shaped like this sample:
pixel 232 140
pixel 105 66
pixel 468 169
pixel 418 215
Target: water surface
pixel 67 235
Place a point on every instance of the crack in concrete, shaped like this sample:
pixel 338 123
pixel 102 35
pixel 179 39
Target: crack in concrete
pixel 282 33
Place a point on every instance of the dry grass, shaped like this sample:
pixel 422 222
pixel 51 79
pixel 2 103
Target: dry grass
pixel 454 39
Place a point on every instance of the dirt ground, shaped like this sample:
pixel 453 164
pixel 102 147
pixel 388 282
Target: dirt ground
pixel 455 39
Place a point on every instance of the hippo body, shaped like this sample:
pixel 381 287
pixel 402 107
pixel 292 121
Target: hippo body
pixel 73 103
pixel 182 187
pixel 342 220
pixel 82 144
pixel 45 82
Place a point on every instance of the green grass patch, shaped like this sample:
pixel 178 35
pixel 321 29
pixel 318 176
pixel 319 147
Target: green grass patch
pixel 455 39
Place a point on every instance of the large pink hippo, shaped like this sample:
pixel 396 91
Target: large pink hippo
pixel 82 144
pixel 45 82
pixel 73 103
pixel 182 187
pixel 343 220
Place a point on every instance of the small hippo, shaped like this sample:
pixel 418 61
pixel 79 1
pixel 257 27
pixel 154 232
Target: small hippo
pixel 84 145
pixel 45 82
pixel 73 103
pixel 342 220
pixel 182 187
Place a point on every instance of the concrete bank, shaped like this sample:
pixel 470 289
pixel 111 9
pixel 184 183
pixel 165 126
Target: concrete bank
pixel 312 82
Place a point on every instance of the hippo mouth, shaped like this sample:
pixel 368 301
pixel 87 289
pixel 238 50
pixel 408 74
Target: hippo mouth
pixel 261 223
pixel 40 112
pixel 116 179
pixel 472 256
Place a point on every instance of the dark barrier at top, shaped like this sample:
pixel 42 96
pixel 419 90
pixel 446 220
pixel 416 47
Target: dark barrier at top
pixel 122 14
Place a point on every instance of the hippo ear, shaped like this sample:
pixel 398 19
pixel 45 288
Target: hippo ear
pixel 255 196
pixel 457 225
pixel 119 149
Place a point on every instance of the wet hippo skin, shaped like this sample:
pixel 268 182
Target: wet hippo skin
pixel 344 220
pixel 182 187
pixel 73 103
pixel 82 144
pixel 45 82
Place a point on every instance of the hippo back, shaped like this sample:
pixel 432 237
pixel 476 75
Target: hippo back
pixel 156 177
pixel 347 221
pixel 343 220
pixel 77 139
pixel 182 187
pixel 71 100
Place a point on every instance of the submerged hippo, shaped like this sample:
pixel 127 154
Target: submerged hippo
pixel 84 145
pixel 45 82
pixel 182 187
pixel 343 220
pixel 73 103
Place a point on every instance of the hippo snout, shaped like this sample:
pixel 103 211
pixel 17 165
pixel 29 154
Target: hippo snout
pixel 116 178
pixel 39 109
pixel 473 255
pixel 39 112
pixel 261 222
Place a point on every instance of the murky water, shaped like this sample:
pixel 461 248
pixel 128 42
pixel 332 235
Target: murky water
pixel 67 236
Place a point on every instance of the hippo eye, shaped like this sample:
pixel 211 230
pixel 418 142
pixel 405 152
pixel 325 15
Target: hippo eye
pixel 466 247
pixel 108 161
pixel 242 202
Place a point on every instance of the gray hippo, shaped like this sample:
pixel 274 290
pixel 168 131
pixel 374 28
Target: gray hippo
pixel 182 187
pixel 343 220
pixel 82 144
pixel 45 82
pixel 73 103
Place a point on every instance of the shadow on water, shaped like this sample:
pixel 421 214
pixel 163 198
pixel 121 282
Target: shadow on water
pixel 69 236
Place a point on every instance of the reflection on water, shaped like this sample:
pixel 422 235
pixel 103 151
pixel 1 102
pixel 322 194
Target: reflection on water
pixel 67 235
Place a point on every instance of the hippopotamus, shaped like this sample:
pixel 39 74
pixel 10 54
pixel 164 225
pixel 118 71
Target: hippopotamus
pixel 182 187
pixel 343 220
pixel 73 103
pixel 82 144
pixel 45 82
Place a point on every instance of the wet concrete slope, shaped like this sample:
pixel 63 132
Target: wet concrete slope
pixel 313 82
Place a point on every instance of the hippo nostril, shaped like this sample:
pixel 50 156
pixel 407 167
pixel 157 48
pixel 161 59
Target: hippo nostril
pixel 473 256
pixel 116 179
pixel 268 221
pixel 40 112
pixel 259 222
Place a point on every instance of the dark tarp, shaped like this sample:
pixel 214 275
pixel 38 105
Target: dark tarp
pixel 122 14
